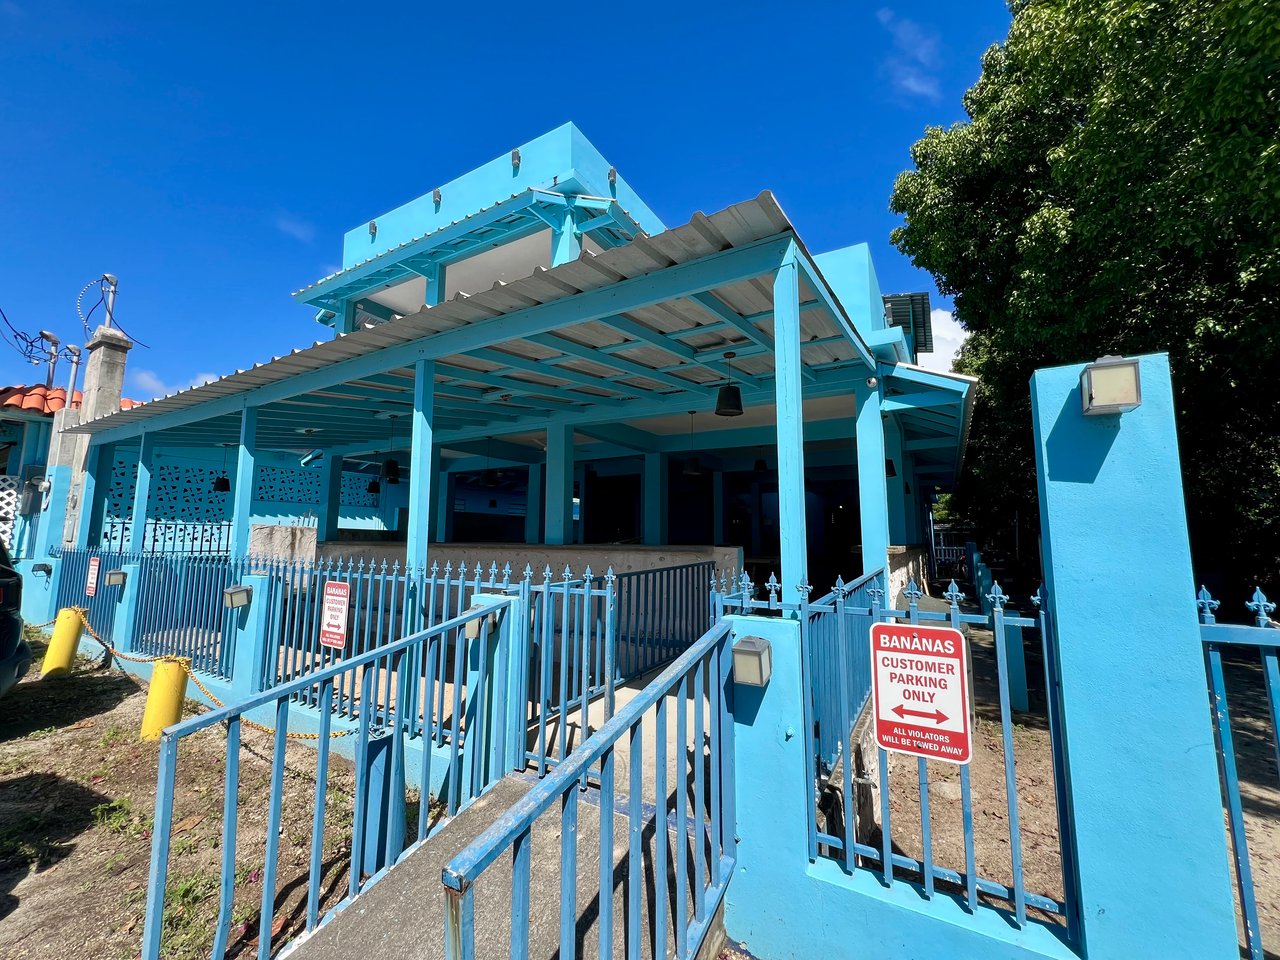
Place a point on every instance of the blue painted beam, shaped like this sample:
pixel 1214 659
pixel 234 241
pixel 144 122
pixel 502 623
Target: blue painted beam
pixel 242 485
pixel 142 492
pixel 656 490
pixel 872 492
pixel 421 479
pixel 788 393
pixel 907 402
pixel 823 292
pixel 559 508
pixel 573 349
pixel 620 434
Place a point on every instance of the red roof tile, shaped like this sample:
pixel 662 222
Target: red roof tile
pixel 40 399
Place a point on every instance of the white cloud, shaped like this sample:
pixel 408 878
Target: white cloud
pixel 947 338
pixel 149 385
pixel 913 64
pixel 295 227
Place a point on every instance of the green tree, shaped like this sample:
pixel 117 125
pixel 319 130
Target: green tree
pixel 1116 189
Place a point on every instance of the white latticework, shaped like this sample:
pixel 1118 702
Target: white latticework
pixel 8 507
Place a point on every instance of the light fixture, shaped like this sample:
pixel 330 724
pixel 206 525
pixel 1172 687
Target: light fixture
pixel 43 569
pixel 391 466
pixel 890 470
pixel 373 229
pixel 435 196
pixel 115 578
pixel 1111 385
pixel 729 397
pixel 752 661
pixel 374 487
pixel 515 157
pixel 237 595
pixel 692 468
pixel 222 484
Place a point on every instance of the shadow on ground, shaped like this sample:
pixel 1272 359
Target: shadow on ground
pixel 41 814
pixel 59 702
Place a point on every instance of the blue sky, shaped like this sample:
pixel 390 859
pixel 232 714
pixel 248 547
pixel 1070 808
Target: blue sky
pixel 211 155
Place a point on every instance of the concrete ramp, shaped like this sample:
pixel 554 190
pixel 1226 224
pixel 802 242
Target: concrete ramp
pixel 402 916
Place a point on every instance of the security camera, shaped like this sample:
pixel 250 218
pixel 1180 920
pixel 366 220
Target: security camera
pixel 872 383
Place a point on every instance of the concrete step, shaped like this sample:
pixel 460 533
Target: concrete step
pixel 402 916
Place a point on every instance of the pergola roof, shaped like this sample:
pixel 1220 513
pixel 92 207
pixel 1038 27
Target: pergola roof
pixel 638 331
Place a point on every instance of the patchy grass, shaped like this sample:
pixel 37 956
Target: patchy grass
pixel 77 791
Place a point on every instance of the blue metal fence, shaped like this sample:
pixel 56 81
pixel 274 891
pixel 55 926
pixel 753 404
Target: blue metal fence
pixel 181 611
pixel 836 655
pixel 660 614
pixel 1243 645
pixel 691 819
pixel 407 660
pixel 73 587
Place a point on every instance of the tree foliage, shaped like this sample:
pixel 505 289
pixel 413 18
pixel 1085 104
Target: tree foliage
pixel 1116 189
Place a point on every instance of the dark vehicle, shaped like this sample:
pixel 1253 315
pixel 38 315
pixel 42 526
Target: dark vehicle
pixel 15 654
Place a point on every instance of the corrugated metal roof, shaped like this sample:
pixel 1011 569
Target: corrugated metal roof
pixel 736 226
pixel 621 364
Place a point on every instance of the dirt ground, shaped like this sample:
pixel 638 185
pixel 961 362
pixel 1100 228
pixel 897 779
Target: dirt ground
pixel 77 792
pixel 1042 865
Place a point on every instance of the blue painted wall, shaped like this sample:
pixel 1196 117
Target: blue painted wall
pixel 1142 772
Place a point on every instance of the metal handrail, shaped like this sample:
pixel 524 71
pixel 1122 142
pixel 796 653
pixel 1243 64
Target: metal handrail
pixel 465 868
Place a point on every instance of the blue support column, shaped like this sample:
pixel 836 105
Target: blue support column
pixel 872 494
pixel 421 479
pixel 895 488
pixel 566 243
pixel 242 486
pixel 345 320
pixel 559 511
pixel 99 460
pixel 1142 791
pixel 717 507
pixel 330 511
pixel 533 506
pixel 444 506
pixel 435 286
pixel 790 417
pixel 655 498
pixel 141 493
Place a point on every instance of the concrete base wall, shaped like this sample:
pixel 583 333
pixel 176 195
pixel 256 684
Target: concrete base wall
pixel 905 564
pixel 624 558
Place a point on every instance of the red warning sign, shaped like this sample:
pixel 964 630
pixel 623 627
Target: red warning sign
pixel 91 578
pixel 333 614
pixel 920 691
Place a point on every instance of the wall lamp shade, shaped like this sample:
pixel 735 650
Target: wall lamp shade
pixel 374 486
pixel 752 661
pixel 115 578
pixel 692 468
pixel 43 569
pixel 236 596
pixel 391 470
pixel 221 484
pixel 1110 385
pixel 890 468
pixel 729 401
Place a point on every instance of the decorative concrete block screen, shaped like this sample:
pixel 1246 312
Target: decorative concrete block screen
pixel 8 507
pixel 184 491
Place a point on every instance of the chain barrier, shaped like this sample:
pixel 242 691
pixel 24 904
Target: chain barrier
pixel 185 663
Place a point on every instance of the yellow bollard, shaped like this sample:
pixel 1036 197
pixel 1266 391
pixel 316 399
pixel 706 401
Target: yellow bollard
pixel 61 653
pixel 164 698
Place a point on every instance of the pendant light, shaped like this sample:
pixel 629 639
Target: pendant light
pixel 222 484
pixel 490 476
pixel 729 397
pixel 760 465
pixel 391 466
pixel 692 468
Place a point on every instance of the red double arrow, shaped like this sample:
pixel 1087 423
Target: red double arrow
pixel 937 716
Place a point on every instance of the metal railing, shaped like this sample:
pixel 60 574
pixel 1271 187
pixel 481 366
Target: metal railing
pixel 1241 644
pixel 693 813
pixel 660 614
pixel 181 611
pixel 407 660
pixel 170 536
pixel 837 665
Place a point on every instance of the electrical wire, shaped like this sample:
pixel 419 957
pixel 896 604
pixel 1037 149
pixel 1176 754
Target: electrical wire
pixel 126 333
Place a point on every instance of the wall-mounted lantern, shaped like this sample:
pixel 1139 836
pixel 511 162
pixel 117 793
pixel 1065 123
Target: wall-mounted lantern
pixel 236 596
pixel 42 569
pixel 1110 385
pixel 752 661
pixel 115 578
